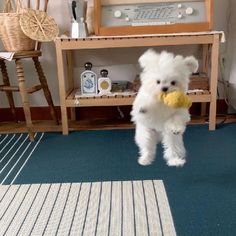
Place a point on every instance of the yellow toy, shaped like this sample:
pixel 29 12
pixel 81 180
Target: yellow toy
pixel 176 99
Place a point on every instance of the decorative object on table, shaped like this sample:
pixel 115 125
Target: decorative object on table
pixel 88 80
pixel 11 34
pixel 82 28
pixel 176 99
pixel 74 24
pixel 78 21
pixel 120 86
pixel 104 83
pixel 138 17
pixel 38 26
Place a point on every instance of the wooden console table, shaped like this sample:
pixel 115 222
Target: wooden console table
pixel 64 47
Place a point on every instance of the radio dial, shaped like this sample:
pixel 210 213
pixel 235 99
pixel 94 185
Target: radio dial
pixel 179 5
pixel 189 11
pixel 117 14
pixel 127 18
pixel 180 16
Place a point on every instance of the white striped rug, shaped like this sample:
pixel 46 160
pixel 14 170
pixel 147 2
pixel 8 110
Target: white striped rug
pixel 103 208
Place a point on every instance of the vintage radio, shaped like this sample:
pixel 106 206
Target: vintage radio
pixel 134 17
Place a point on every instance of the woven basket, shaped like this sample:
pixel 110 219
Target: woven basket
pixel 12 36
pixel 39 26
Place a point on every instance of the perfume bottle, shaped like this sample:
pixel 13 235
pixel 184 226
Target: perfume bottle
pixel 104 83
pixel 88 80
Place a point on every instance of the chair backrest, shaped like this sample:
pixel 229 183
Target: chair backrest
pixel 38 4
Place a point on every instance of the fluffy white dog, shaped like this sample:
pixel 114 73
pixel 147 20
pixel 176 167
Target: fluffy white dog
pixel 156 122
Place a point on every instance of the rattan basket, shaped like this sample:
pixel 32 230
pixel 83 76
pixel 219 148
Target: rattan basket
pixel 11 34
pixel 39 26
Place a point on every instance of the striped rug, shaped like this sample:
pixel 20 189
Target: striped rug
pixel 99 208
pixel 15 152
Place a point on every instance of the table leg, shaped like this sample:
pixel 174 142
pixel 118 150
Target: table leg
pixel 70 75
pixel 62 89
pixel 213 82
pixel 205 65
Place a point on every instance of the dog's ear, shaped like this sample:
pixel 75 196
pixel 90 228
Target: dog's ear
pixel 147 59
pixel 192 64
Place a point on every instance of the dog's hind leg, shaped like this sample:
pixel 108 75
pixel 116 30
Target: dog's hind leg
pixel 174 150
pixel 147 140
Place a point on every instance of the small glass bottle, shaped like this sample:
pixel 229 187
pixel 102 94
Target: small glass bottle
pixel 88 80
pixel 104 83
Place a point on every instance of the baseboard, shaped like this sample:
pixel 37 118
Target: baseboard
pixel 37 113
pixel 86 113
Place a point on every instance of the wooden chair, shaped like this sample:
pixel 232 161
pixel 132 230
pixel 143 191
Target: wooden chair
pixel 24 91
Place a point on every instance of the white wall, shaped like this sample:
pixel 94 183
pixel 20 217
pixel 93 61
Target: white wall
pixel 126 61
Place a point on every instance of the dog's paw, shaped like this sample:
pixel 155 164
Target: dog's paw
pixel 144 161
pixel 176 162
pixel 177 129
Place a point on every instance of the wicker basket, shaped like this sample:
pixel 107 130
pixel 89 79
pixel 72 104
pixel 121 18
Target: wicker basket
pixel 12 36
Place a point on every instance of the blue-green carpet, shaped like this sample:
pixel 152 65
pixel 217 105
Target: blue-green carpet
pixel 202 194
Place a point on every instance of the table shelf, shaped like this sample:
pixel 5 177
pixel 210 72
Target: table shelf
pixel 105 100
pixel 209 41
pixel 122 100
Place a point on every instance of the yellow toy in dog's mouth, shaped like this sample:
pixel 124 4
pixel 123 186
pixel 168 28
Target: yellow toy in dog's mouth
pixel 176 99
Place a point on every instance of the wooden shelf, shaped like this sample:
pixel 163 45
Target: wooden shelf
pixel 121 100
pixel 203 96
pixel 209 41
pixel 105 100
pixel 133 41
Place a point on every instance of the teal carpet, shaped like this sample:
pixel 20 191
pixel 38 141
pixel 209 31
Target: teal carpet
pixel 202 194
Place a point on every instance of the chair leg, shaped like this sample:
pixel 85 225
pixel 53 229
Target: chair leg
pixel 9 94
pixel 24 97
pixel 46 90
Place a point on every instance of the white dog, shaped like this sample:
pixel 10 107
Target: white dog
pixel 156 122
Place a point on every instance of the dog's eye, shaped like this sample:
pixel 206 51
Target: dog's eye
pixel 158 81
pixel 173 82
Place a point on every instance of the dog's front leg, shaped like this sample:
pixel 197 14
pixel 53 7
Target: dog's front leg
pixel 174 150
pixel 147 140
pixel 177 123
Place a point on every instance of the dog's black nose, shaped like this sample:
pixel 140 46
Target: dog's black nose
pixel 165 89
